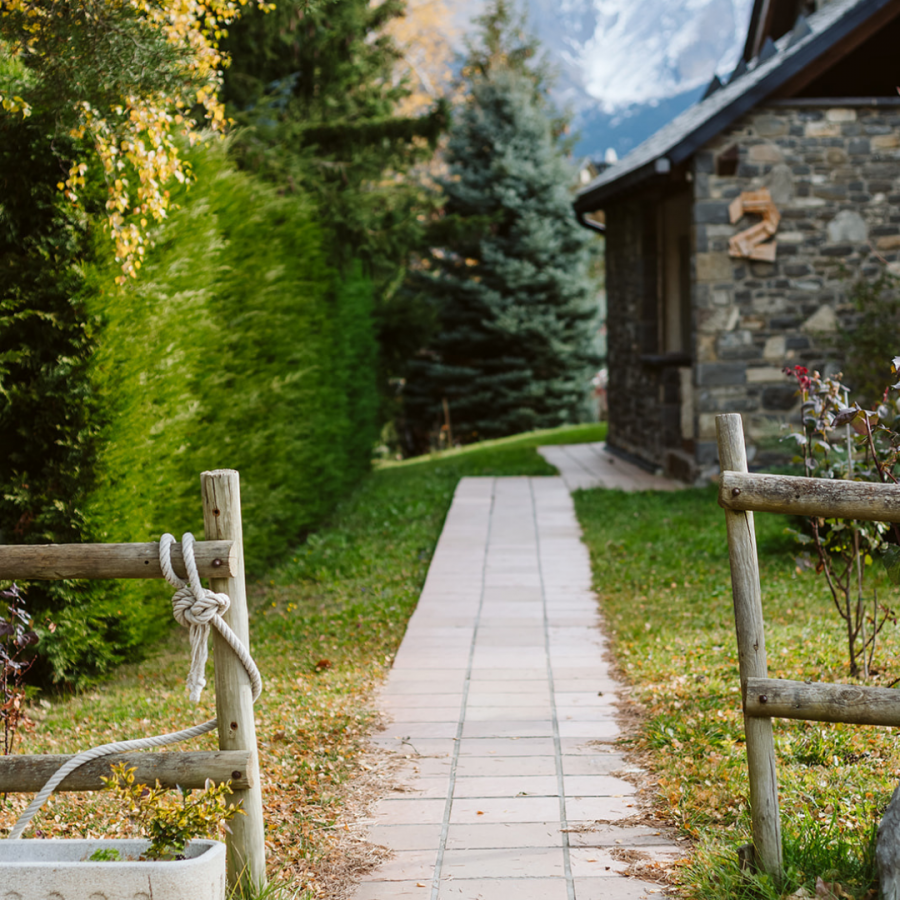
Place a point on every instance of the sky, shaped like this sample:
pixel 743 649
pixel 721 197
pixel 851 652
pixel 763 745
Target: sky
pixel 646 50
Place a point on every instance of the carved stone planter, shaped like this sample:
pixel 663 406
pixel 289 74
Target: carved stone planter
pixel 61 870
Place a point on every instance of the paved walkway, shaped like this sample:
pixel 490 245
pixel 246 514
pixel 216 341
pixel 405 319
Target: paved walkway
pixel 503 703
pixel 592 465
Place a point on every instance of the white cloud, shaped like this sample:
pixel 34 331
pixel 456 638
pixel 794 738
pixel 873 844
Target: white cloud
pixel 646 50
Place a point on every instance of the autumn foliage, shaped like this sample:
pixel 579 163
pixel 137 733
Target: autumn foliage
pixel 128 79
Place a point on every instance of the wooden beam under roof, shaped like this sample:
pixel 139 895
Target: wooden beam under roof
pixel 839 51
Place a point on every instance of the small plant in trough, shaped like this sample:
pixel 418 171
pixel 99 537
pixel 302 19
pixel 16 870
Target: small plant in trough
pixel 174 853
pixel 105 854
pixel 170 822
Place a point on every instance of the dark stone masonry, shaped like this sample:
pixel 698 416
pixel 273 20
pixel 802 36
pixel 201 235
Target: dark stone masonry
pixel 834 175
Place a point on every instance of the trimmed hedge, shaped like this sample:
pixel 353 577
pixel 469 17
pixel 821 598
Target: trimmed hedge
pixel 49 415
pixel 238 347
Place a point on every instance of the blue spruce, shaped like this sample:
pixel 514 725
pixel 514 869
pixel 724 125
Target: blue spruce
pixel 510 272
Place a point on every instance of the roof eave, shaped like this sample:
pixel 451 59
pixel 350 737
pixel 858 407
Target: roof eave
pixel 585 203
pixel 591 199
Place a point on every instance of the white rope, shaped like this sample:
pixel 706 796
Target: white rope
pixel 196 608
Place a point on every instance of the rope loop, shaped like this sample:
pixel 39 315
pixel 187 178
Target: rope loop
pixel 194 607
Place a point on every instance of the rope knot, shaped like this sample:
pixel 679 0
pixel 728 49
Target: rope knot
pixel 197 608
pixel 194 607
pixel 189 609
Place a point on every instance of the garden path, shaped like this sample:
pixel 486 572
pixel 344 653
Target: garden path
pixel 592 465
pixel 504 707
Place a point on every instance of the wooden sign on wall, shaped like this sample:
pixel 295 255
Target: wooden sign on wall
pixel 753 242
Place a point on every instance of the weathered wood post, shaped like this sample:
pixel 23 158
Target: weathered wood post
pixel 234 700
pixel 751 641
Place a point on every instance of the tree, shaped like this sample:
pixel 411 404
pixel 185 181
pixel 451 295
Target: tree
pixel 510 274
pixel 318 87
pixel 126 79
pixel 425 37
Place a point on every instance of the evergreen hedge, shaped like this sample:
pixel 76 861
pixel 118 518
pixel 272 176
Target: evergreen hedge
pixel 49 417
pixel 238 347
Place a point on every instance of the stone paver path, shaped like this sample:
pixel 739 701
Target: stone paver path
pixel 503 703
pixel 592 465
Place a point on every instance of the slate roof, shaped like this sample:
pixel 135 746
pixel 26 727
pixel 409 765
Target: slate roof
pixel 685 134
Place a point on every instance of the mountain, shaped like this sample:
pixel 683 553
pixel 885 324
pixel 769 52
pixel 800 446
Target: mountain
pixel 626 67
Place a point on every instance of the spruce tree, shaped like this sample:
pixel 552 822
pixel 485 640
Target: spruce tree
pixel 510 278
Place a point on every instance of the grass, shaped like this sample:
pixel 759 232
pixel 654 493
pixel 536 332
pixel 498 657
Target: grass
pixel 575 434
pixel 325 626
pixel 661 570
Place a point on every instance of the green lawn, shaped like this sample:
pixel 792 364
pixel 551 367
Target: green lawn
pixel 325 625
pixel 661 570
pixel 327 622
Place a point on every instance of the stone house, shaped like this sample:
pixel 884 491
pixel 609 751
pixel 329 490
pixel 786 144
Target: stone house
pixel 714 285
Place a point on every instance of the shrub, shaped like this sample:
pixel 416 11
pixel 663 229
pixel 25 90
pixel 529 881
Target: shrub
pixel 843 441
pixel 170 823
pixel 239 347
pixel 869 341
pixel 49 417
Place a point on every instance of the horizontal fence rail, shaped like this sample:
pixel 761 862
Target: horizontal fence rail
pixel 48 562
pixel 28 774
pixel 791 495
pixel 853 704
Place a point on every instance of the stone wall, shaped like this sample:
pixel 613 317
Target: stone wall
pixel 834 174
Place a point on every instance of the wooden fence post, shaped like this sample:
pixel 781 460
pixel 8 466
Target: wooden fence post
pixel 751 641
pixel 234 703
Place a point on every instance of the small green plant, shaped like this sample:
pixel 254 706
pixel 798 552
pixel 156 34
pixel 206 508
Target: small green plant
pixel 171 821
pixel 105 854
pixel 871 338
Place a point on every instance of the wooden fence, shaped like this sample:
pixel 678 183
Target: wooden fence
pixel 764 698
pixel 221 559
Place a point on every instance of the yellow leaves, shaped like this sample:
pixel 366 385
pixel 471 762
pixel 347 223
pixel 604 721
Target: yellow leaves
pixel 137 133
pixel 171 821
pixel 15 105
pixel 426 37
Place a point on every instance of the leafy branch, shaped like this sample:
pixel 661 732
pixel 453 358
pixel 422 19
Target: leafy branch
pixel 171 821
pixel 16 637
pixel 130 79
pixel 840 440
